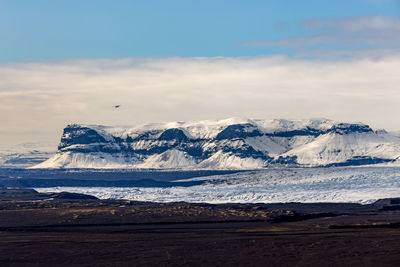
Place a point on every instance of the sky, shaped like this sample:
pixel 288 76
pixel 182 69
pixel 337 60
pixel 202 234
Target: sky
pixel 70 61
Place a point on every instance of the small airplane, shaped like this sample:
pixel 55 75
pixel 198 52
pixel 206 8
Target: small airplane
pixel 116 106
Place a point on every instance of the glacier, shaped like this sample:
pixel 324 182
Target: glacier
pixel 234 143
pixel 335 184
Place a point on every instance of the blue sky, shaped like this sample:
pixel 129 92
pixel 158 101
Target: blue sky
pixel 47 30
pixel 70 61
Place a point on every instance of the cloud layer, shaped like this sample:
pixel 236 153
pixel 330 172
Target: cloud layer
pixel 39 99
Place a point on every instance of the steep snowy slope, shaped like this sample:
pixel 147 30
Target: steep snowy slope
pixel 358 148
pixel 226 144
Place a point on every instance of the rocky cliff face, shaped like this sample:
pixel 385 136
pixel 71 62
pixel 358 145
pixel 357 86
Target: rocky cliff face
pixel 226 144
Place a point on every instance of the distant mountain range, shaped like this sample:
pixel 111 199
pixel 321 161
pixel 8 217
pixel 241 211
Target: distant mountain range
pixel 26 155
pixel 225 144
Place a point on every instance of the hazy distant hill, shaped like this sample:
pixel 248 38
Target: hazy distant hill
pixel 26 155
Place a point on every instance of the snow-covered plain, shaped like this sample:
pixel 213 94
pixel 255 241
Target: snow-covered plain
pixel 336 184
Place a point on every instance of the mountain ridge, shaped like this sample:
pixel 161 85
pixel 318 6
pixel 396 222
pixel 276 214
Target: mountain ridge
pixel 234 143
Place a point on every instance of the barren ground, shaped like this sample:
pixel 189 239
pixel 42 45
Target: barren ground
pixel 65 232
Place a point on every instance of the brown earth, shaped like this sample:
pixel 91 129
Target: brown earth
pixel 124 233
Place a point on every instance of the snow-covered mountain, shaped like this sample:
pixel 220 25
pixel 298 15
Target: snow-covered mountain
pixel 225 144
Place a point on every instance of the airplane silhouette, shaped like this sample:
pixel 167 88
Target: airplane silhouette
pixel 116 106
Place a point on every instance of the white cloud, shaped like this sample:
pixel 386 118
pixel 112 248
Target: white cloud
pixel 355 24
pixel 39 99
pixel 363 33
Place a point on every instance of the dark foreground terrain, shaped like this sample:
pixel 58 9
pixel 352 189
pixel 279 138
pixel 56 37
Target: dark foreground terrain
pixel 75 230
